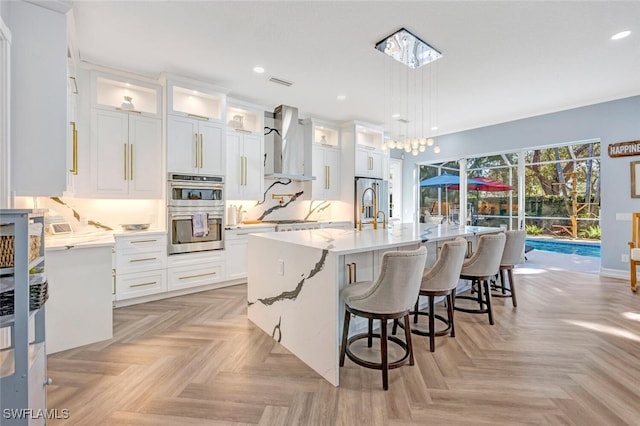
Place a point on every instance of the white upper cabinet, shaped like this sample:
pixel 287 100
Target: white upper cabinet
pixel 326 169
pixel 325 143
pixel 195 129
pixel 195 146
pixel 126 139
pixel 38 127
pixel 127 155
pixel 245 151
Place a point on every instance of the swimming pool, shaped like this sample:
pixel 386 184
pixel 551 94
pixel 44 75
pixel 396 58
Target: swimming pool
pixel 592 250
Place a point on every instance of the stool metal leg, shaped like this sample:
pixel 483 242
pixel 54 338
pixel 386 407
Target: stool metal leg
pixel 432 329
pixel 370 330
pixel 450 298
pixel 407 334
pixel 512 287
pixel 488 301
pixel 345 332
pixel 383 350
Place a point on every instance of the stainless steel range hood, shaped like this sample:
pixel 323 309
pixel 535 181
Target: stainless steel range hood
pixel 291 156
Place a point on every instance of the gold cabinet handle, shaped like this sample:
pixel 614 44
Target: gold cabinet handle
pixel 355 272
pixel 113 275
pixel 201 151
pixel 327 181
pixel 74 159
pixel 142 241
pixel 245 171
pixel 125 161
pixel 196 276
pixel 142 260
pixel 142 284
pixel 131 162
pixel 350 273
pixel 197 150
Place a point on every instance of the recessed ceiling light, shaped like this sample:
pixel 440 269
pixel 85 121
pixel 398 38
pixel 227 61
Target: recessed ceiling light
pixel 434 128
pixel 258 70
pixel 342 97
pixel 396 116
pixel 620 35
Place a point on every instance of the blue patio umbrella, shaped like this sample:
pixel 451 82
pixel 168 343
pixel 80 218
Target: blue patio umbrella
pixel 445 179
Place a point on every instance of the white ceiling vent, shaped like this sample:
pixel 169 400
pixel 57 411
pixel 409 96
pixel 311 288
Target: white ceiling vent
pixel 280 81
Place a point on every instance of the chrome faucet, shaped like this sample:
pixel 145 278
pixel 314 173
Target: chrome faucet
pixel 374 205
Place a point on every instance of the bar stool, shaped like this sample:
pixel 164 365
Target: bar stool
pixel 390 296
pixel 512 255
pixel 483 265
pixel 440 280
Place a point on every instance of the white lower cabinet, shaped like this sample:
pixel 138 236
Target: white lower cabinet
pixel 141 261
pixel 80 289
pixel 237 257
pixel 137 284
pixel 195 269
pixel 237 248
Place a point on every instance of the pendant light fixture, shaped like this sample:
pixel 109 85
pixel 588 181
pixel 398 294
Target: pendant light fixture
pixel 408 91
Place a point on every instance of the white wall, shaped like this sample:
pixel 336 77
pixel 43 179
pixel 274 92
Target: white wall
pixel 609 122
pixel 4 10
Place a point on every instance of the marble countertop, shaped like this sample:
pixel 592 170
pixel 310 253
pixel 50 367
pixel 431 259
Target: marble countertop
pixel 66 242
pixel 251 225
pixel 273 225
pixel 341 241
pixel 90 239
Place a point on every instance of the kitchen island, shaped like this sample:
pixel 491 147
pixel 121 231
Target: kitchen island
pixel 294 281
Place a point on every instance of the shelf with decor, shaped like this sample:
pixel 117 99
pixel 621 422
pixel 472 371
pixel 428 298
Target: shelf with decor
pixel 23 293
pixel 195 100
pixel 125 94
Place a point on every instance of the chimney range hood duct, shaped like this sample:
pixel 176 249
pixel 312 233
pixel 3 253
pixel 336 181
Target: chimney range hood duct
pixel 291 155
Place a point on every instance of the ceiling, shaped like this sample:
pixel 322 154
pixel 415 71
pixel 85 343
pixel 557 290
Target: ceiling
pixel 502 60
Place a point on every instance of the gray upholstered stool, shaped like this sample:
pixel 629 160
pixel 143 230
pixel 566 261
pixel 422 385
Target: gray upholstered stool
pixel 440 280
pixel 483 264
pixel 390 296
pixel 512 255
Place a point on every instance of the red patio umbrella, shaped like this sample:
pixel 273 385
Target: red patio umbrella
pixel 486 185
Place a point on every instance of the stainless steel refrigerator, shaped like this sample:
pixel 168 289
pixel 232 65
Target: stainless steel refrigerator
pixel 364 195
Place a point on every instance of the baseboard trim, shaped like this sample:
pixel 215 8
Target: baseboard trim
pixel 614 273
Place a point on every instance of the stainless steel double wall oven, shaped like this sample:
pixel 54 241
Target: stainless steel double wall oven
pixel 193 198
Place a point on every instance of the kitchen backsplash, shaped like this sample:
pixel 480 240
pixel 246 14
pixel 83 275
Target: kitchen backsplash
pixel 87 215
pixel 284 199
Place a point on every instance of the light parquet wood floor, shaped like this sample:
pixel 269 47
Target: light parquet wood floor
pixel 568 355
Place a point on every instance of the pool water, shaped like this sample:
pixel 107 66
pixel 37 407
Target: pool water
pixel 592 250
